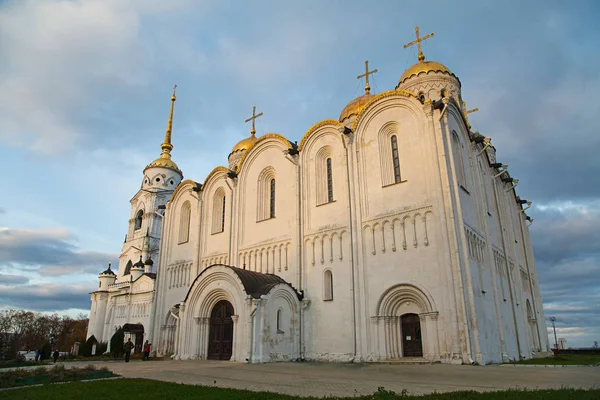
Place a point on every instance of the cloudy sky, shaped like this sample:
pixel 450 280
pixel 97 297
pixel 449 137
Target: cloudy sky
pixel 85 89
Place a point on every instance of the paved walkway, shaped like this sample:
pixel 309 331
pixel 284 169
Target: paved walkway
pixel 323 379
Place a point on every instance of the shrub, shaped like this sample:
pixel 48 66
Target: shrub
pixel 101 348
pixel 46 350
pixel 86 348
pixel 116 343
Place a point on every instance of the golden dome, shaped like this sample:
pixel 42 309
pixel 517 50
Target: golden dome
pixel 245 144
pixel 426 67
pixel 164 163
pixel 355 106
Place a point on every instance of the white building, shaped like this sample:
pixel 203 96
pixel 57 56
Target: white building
pixel 389 233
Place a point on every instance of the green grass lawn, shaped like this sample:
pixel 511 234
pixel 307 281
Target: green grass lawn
pixel 133 389
pixel 15 364
pixel 565 359
pixel 42 375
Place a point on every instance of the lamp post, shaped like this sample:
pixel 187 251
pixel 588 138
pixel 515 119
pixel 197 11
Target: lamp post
pixel 552 319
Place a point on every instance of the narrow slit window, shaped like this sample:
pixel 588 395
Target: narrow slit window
pixel 272 204
pixel 396 159
pixel 329 182
pixel 279 312
pixel 223 216
pixel 328 286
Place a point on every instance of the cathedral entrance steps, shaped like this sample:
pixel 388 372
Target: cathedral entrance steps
pixel 409 360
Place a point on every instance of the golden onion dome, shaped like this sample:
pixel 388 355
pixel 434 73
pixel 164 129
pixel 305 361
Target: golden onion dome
pixel 163 162
pixel 355 106
pixel 424 67
pixel 245 144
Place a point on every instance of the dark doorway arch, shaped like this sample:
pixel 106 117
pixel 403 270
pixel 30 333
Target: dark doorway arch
pixel 220 339
pixel 136 331
pixel 411 336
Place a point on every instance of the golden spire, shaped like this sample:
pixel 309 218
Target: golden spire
pixel 418 43
pixel 253 118
pixel 366 75
pixel 167 146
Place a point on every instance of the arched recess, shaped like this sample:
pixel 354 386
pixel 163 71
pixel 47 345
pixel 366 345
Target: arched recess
pixel 266 194
pixel 458 150
pixel 184 222
pixel 282 309
pixel 398 307
pixel 167 335
pixel 218 211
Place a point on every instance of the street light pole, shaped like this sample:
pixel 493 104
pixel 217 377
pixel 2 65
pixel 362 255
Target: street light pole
pixel 552 319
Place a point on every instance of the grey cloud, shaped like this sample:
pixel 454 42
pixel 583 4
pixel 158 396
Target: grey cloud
pixel 7 279
pixel 45 297
pixel 568 234
pixel 50 251
pixel 565 241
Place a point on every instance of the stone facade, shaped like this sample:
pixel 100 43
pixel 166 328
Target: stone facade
pixel 391 234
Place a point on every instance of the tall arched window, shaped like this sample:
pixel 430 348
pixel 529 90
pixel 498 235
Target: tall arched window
pixel 218 211
pixel 184 222
pixel 327 286
pixel 128 268
pixel 272 200
pixel 395 159
pixel 266 194
pixel 329 181
pixel 458 160
pixel 323 167
pixel 223 216
pixel 138 220
pixel 486 190
pixel 389 153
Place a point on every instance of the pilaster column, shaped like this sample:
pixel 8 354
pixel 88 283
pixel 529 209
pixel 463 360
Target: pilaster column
pixel 234 356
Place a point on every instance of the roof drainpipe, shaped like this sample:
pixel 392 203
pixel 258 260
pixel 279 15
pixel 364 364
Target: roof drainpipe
pixel 346 131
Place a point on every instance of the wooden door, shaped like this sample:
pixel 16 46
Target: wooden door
pixel 411 336
pixel 220 339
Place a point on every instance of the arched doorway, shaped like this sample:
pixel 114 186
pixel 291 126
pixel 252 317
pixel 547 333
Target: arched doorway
pixel 220 339
pixel 136 332
pixel 411 335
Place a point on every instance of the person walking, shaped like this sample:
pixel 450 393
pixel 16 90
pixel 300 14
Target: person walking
pixel 55 355
pixel 127 347
pixel 146 351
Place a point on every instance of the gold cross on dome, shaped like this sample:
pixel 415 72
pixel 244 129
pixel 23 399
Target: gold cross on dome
pixel 253 118
pixel 366 75
pixel 418 43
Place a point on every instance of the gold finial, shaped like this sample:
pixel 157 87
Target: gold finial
pixel 366 75
pixel 418 43
pixel 167 146
pixel 253 118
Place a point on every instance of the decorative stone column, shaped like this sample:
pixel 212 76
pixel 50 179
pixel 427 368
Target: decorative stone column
pixel 198 343
pixel 234 357
pixel 376 340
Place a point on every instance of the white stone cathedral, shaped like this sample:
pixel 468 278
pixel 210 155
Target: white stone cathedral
pixel 391 233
